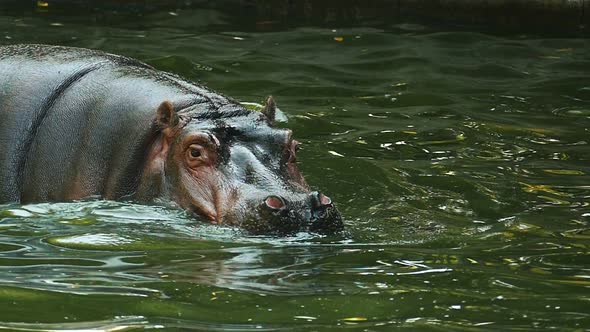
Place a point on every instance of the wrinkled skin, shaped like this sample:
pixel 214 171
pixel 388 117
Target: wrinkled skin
pixel 238 171
pixel 79 123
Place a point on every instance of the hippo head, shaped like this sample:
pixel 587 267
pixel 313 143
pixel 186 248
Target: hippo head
pixel 231 166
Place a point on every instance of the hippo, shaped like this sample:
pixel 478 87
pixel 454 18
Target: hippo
pixel 83 124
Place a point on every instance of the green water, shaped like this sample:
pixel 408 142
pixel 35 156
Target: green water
pixel 459 161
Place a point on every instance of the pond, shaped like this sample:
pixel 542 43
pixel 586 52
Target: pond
pixel 459 160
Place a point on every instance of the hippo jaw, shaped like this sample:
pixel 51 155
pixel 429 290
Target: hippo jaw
pixel 232 167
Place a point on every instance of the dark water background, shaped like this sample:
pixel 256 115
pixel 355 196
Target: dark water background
pixel 459 159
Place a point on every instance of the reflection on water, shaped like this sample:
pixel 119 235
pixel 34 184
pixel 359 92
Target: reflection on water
pixel 459 161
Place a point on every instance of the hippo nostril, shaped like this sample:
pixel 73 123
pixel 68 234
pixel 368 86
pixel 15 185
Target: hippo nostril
pixel 319 200
pixel 324 200
pixel 325 218
pixel 274 202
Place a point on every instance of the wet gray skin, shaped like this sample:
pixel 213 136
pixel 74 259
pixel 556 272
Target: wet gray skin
pixel 79 123
pixel 240 170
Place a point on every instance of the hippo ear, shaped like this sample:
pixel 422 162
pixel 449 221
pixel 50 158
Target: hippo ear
pixel 270 110
pixel 166 116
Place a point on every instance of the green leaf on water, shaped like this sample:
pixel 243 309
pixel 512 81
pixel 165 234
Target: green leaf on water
pixel 252 106
pixel 542 188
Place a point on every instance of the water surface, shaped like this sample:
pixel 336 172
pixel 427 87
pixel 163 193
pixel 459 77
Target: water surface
pixel 458 159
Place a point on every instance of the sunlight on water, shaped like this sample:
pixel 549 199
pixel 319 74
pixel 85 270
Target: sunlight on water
pixel 458 159
pixel 92 239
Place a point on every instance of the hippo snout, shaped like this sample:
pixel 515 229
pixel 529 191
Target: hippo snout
pixel 278 215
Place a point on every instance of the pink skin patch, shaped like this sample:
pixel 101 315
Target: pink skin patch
pixel 325 200
pixel 274 202
pixel 215 140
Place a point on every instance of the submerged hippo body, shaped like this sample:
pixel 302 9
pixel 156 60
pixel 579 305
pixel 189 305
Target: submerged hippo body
pixel 78 123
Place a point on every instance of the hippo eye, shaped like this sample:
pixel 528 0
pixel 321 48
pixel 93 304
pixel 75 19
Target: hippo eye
pixel 195 153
